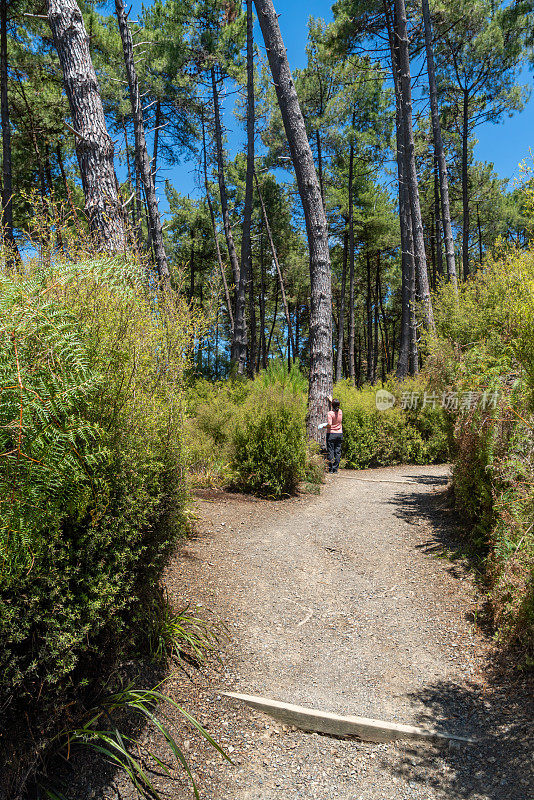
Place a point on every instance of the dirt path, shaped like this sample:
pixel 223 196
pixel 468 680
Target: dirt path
pixel 342 602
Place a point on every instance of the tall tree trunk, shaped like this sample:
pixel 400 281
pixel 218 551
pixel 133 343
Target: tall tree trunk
pixel 275 312
pixel 192 265
pixel 157 123
pixel 406 235
pixel 405 83
pixel 352 368
pixel 341 324
pixel 320 382
pixel 437 222
pixel 239 340
pixel 383 313
pixel 376 319
pixel 94 147
pixel 252 339
pixel 214 228
pixel 276 262
pixel 369 318
pixel 147 177
pixel 480 252
pixel 465 183
pixel 262 351
pixel 439 149
pixel 7 176
pixel 232 253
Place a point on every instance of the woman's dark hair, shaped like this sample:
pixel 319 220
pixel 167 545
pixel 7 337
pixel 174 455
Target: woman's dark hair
pixel 335 405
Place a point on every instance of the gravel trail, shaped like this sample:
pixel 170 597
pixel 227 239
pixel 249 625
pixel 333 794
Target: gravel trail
pixel 346 602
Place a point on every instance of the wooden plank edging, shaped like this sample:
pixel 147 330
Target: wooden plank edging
pixel 369 730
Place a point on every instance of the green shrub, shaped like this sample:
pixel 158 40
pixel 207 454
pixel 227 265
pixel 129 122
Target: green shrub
pixel 270 448
pixel 485 341
pixel 373 438
pixel 90 473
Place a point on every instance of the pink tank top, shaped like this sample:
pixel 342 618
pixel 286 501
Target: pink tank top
pixel 335 419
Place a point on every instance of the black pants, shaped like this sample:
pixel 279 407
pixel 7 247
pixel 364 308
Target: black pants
pixel 333 445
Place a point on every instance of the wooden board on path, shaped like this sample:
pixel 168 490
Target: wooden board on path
pixel 369 730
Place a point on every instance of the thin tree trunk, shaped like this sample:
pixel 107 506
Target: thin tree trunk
pixel 341 324
pixel 276 262
pixel 262 348
pixel 439 150
pixel 274 322
pixel 192 265
pixel 232 253
pixel 480 252
pixel 214 228
pixel 376 320
pixel 94 147
pixel 382 311
pixel 252 324
pixel 439 251
pixel 7 176
pixel 239 340
pixel 147 177
pixel 369 317
pixel 320 382
pixel 401 29
pixel 67 188
pixel 156 139
pixel 352 368
pixel 465 184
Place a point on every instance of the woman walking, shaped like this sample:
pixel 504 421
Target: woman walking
pixel 334 436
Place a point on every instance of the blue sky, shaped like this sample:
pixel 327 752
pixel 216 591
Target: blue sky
pixel 504 144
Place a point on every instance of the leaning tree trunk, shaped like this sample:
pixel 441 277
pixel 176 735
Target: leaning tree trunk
pixel 232 253
pixel 239 339
pixel 276 264
pixel 405 85
pixel 143 160
pixel 94 147
pixel 439 150
pixel 320 385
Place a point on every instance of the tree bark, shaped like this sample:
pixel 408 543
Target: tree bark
pixel 94 147
pixel 405 83
pixel 320 381
pixel 465 183
pixel 439 150
pixel 341 324
pixel 7 175
pixel 157 123
pixel 352 366
pixel 438 224
pixel 143 160
pixel 276 263
pixel 369 315
pixel 214 228
pixel 239 340
pixel 232 253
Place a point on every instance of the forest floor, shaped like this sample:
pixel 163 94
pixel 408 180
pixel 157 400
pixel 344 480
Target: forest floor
pixel 356 601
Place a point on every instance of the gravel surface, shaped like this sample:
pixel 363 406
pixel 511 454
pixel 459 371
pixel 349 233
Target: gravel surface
pixel 347 602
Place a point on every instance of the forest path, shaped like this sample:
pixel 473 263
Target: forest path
pixel 342 602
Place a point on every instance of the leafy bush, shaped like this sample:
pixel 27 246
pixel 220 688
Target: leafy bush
pixel 373 438
pixel 90 477
pixel 270 448
pixel 486 342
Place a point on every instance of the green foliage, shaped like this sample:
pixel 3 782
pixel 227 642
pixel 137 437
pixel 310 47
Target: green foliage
pixel 269 448
pixel 180 634
pixel 373 438
pixel 116 745
pixel 90 480
pixel 487 342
